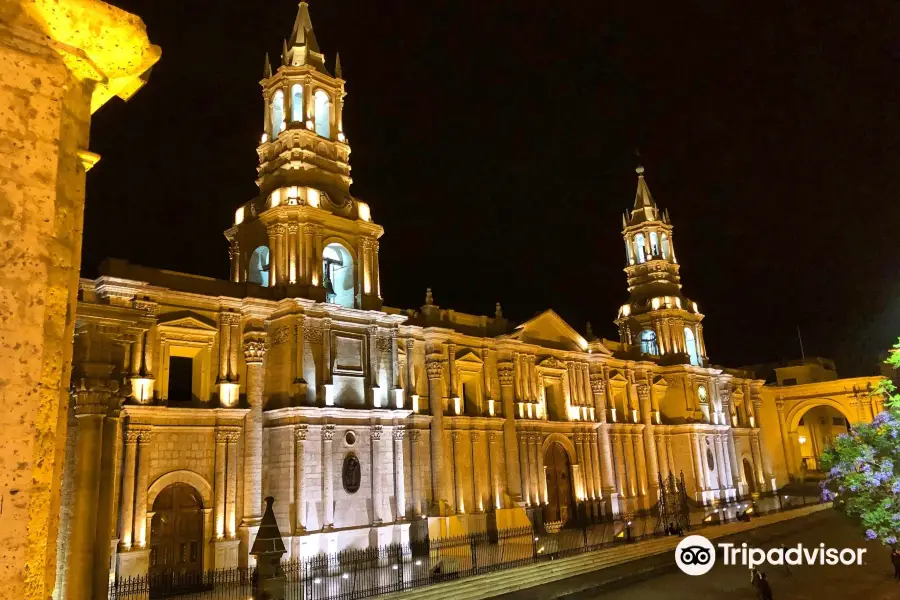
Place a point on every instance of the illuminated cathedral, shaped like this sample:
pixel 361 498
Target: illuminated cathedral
pixel 194 398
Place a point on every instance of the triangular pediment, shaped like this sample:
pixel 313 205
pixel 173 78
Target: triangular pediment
pixel 187 321
pixel 469 356
pixel 549 329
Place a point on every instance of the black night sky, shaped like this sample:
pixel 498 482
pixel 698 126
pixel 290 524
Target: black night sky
pixel 496 143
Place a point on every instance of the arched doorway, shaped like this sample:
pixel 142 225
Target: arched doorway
pixel 816 430
pixel 560 493
pixel 176 531
pixel 749 477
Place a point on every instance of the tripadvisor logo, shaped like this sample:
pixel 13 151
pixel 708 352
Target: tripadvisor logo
pixel 696 555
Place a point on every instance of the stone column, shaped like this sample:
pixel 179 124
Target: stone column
pixel 631 468
pixel 141 533
pixel 300 433
pixel 732 457
pixel 579 454
pixel 318 257
pixel 457 484
pixel 492 471
pixel 108 500
pixel 513 479
pixel 126 535
pixel 326 363
pixel 221 439
pixel 440 493
pixel 649 450
pixel 764 457
pixel 757 460
pixel 607 476
pixel 376 349
pixel 308 260
pixel 254 352
pixel 414 459
pixel 639 447
pixel 662 455
pixel 377 484
pixel 327 476
pixel 231 486
pixel 619 464
pixel 721 469
pixel 595 466
pixel 699 470
pixel 540 476
pixel 410 368
pixel 526 471
pixel 786 443
pixel 91 400
pixel 399 479
pixel 477 498
pixel 395 393
pixel 291 272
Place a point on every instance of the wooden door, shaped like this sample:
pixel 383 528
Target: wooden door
pixel 176 531
pixel 560 500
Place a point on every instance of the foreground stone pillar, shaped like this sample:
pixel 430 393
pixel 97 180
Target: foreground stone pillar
pixel 254 352
pixel 107 507
pixel 327 475
pixel 300 433
pixel 59 62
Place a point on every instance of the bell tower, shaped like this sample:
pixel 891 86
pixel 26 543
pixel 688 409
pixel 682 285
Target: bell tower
pixel 659 321
pixel 305 232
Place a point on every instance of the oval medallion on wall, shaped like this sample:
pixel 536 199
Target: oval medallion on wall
pixel 350 474
pixel 710 460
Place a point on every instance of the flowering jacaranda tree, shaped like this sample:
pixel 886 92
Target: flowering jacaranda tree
pixel 864 468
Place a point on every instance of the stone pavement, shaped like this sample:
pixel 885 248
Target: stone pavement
pixel 657 578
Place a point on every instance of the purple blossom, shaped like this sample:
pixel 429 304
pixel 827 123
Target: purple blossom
pixel 870 534
pixel 881 419
pixel 895 489
pixel 828 495
pixel 890 540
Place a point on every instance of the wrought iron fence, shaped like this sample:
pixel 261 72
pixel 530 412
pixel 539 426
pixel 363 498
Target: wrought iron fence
pixel 353 574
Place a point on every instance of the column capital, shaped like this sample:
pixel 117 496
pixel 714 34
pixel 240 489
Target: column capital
pixel 375 431
pixel 434 365
pixel 410 344
pixel 455 435
pixel 300 432
pixel 399 432
pixel 643 391
pixel 491 437
pixel 505 371
pixel 327 433
pixel 230 318
pixel 254 347
pixel 598 385
pixel 414 435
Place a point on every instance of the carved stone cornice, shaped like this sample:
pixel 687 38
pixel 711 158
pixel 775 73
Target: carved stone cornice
pixel 313 332
pixel 281 335
pixel 146 306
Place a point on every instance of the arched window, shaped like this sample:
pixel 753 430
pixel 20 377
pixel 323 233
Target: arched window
pixel 639 248
pixel 691 345
pixel 323 113
pixel 277 112
pixel 297 103
pixel 629 254
pixel 648 342
pixel 259 266
pixel 654 244
pixel 338 276
pixel 665 246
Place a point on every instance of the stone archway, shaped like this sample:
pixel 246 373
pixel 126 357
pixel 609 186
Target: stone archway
pixel 177 531
pixel 560 484
pixel 204 492
pixel 810 426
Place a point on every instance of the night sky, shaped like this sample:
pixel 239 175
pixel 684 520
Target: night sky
pixel 496 144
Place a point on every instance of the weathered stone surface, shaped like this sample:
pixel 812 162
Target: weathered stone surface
pixel 56 65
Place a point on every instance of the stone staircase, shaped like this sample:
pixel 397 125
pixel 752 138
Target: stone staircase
pixel 515 579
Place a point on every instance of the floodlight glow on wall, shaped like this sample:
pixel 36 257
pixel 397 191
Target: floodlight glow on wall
pixel 229 393
pixel 142 389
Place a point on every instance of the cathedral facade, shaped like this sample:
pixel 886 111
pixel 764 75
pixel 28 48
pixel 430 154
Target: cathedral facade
pixel 195 398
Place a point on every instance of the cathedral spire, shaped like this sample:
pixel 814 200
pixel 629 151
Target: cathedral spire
pixel 644 206
pixel 303 48
pixel 267 67
pixel 337 66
